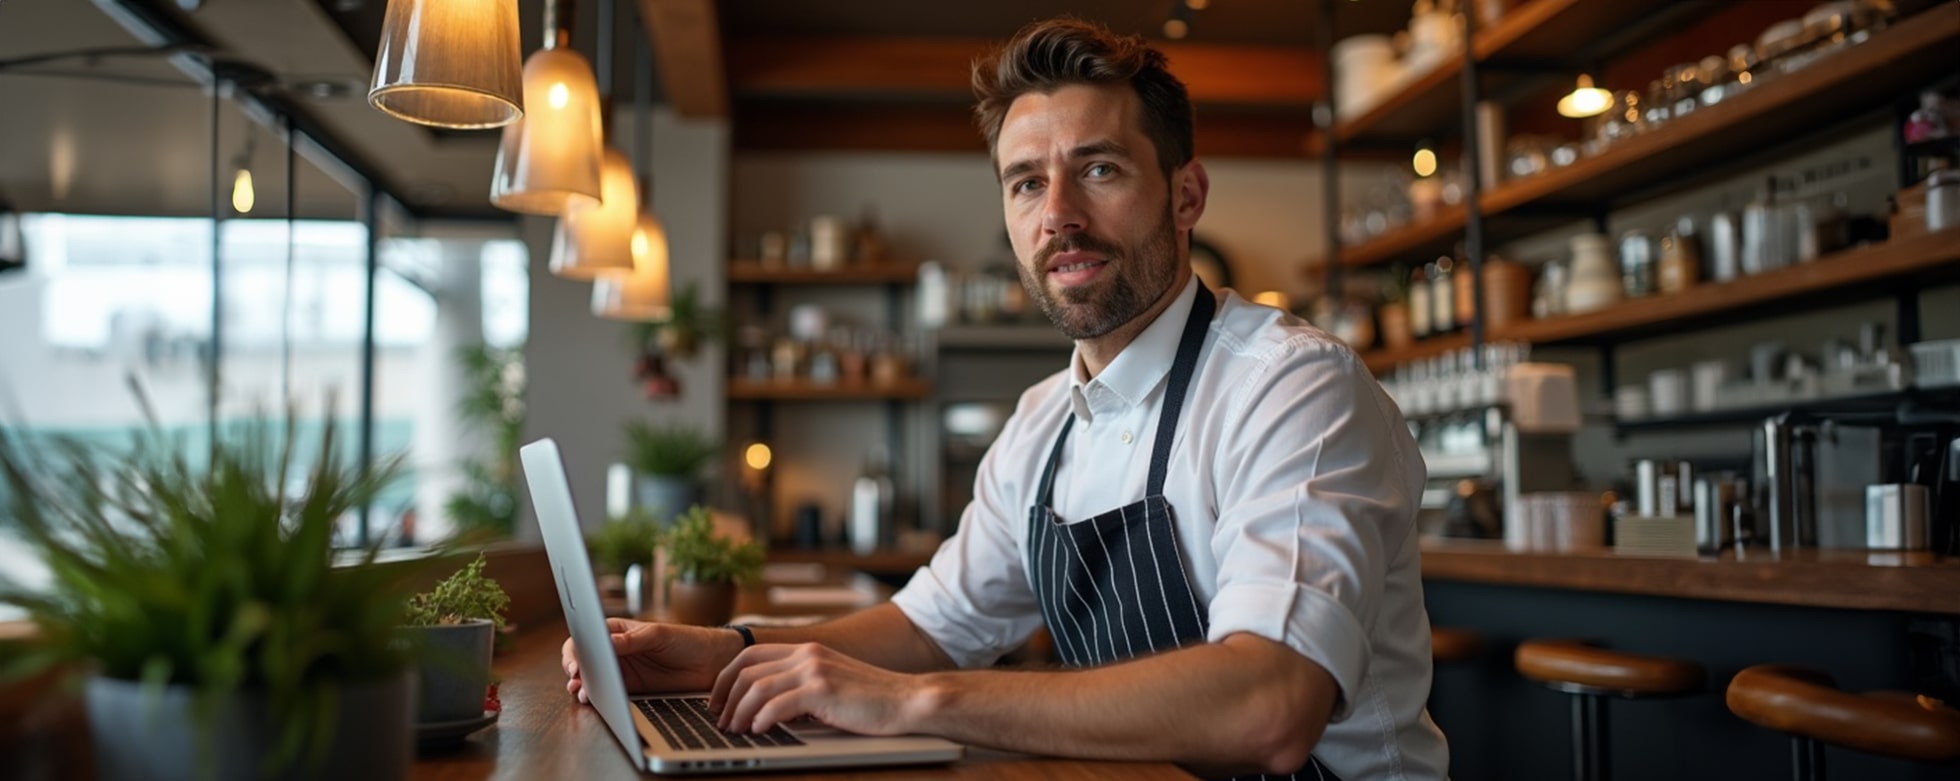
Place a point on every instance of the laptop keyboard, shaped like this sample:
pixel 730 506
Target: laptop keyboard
pixel 686 724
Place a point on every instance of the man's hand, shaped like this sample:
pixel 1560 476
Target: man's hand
pixel 660 657
pixel 767 685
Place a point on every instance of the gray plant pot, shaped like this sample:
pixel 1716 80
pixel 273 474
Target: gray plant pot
pixel 455 672
pixel 139 738
pixel 666 496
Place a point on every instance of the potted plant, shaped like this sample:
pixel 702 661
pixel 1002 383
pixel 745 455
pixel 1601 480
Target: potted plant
pixel 703 569
pixel 668 459
pixel 455 624
pixel 223 635
pixel 622 542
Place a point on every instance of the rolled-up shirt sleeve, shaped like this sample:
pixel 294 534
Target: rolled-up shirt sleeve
pixel 1314 479
pixel 973 599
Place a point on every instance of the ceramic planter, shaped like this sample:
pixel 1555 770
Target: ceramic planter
pixel 665 496
pixel 137 737
pixel 700 604
pixel 456 671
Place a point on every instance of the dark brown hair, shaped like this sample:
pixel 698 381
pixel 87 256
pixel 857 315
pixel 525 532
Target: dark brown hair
pixel 1046 56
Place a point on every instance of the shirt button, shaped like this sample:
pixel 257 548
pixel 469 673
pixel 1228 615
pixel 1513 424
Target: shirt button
pixel 1127 436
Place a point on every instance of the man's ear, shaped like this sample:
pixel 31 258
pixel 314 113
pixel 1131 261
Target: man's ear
pixel 1190 184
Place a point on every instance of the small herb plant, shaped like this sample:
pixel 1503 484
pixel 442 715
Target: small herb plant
pixel 674 451
pixel 462 597
pixel 695 554
pixel 623 541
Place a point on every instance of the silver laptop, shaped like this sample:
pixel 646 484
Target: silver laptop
pixel 674 733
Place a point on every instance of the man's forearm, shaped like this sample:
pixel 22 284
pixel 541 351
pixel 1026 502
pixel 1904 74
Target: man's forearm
pixel 1244 704
pixel 880 635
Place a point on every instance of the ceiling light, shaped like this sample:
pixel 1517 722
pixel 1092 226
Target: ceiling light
pixel 642 295
pixel 1585 100
pixel 13 241
pixel 449 63
pixel 550 158
pixel 242 197
pixel 757 456
pixel 1176 29
pixel 1196 5
pixel 596 238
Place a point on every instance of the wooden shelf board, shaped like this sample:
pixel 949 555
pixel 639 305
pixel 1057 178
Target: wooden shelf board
pixel 1832 277
pixel 752 272
pixel 803 390
pixel 1851 81
pixel 1916 582
pixel 1421 241
pixel 1423 107
pixel 1382 360
pixel 1553 32
pixel 1886 403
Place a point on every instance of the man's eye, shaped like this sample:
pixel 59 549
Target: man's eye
pixel 1026 185
pixel 1100 170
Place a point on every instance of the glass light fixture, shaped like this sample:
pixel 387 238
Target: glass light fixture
pixel 449 63
pixel 242 196
pixel 550 158
pixel 644 294
pixel 1585 100
pixel 596 237
pixel 13 242
pixel 1424 161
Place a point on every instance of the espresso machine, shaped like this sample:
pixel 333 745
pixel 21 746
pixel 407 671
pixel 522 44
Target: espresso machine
pixel 1858 482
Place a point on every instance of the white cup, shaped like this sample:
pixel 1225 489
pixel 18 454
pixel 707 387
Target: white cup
pixel 1667 392
pixel 1630 402
pixel 1708 377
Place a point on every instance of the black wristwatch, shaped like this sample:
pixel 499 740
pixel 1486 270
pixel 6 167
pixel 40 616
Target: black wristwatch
pixel 748 637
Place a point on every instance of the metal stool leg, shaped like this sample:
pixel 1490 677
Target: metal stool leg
pixel 1807 759
pixel 1590 761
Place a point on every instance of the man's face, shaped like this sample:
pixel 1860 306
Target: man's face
pixel 1089 211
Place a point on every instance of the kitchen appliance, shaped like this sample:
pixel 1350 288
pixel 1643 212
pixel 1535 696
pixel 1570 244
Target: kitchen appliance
pixel 1812 472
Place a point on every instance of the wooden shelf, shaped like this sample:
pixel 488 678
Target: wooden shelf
pixel 1416 241
pixel 1834 278
pixel 752 272
pixel 1002 337
pixel 1916 582
pixel 1855 80
pixel 1422 108
pixel 740 389
pixel 1382 360
pixel 1883 405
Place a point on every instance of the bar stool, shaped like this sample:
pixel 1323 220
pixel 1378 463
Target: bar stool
pixel 1591 675
pixel 1808 706
pixel 1454 644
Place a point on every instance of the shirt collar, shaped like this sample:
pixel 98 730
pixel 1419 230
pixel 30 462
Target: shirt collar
pixel 1142 364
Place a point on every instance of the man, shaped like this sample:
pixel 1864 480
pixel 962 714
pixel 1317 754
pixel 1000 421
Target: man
pixel 1212 509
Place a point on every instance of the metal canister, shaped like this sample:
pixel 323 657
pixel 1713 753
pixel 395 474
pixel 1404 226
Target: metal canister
pixel 1714 498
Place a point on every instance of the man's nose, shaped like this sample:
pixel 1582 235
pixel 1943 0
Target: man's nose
pixel 1061 210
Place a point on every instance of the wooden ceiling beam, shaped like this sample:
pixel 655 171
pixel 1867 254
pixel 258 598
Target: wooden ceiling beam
pixel 802 126
pixel 687 53
pixel 939 68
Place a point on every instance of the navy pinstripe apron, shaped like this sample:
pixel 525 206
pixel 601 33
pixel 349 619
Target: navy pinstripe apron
pixel 1114 587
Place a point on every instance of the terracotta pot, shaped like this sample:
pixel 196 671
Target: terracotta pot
pixel 1507 292
pixel 700 604
pixel 1396 334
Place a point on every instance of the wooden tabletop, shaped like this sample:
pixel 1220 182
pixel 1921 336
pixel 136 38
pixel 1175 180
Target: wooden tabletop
pixel 544 733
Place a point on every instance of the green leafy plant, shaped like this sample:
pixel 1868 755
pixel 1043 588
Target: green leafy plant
pixel 623 541
pixel 487 505
pixel 675 451
pixel 688 325
pixel 217 574
pixel 464 596
pixel 697 555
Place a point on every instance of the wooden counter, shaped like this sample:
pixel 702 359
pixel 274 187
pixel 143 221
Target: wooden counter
pixel 543 733
pixel 1917 582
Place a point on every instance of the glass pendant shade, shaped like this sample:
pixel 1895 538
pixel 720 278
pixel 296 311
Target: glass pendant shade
pixel 550 157
pixel 449 63
pixel 1585 100
pixel 13 245
pixel 596 237
pixel 642 295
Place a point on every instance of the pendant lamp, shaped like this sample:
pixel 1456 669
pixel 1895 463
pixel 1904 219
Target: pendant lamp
pixel 13 244
pixel 550 158
pixel 1585 100
pixel 449 63
pixel 644 294
pixel 596 238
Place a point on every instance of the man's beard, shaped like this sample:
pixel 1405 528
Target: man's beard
pixel 1135 280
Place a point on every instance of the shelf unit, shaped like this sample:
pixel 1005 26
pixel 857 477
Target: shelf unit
pixel 1690 151
pixel 1868 406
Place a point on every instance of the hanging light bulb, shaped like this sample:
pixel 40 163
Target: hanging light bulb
pixel 1585 100
pixel 242 196
pixel 1424 161
pixel 644 294
pixel 449 63
pixel 550 158
pixel 596 237
pixel 757 456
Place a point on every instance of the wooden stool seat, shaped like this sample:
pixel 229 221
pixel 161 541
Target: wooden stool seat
pixel 1807 703
pixel 1573 666
pixel 1453 644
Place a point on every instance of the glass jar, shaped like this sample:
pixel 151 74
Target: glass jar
pixel 1636 264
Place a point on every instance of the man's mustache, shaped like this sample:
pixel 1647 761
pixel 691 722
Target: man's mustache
pixel 1074 242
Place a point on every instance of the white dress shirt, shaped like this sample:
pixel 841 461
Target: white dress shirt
pixel 1294 483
